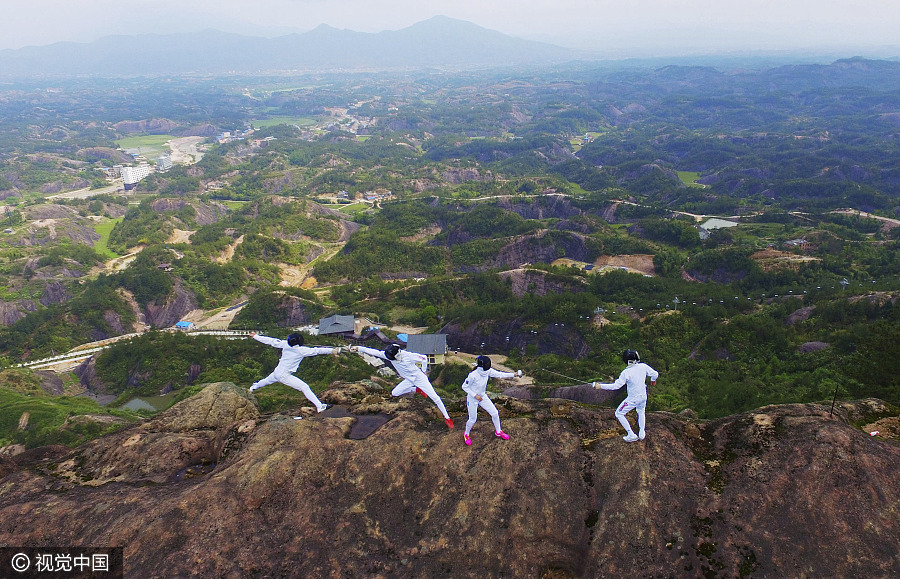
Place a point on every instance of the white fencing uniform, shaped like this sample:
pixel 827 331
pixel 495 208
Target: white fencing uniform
pixel 291 356
pixel 407 365
pixel 635 376
pixel 476 385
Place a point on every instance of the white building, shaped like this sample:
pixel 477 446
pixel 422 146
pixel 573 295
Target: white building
pixel 131 175
pixel 163 164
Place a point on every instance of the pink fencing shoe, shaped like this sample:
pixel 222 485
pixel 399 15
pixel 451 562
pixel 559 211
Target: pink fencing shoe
pixel 449 423
pixel 468 440
pixel 502 435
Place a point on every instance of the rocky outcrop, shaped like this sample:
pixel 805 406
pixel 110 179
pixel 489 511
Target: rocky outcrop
pixel 10 193
pixel 547 207
pixel 809 347
pixel 457 176
pixel 208 213
pixel 55 293
pixel 49 211
pixel 539 283
pixel 180 302
pixel 92 154
pixel 87 376
pixel 293 312
pixel 114 210
pixel 575 226
pixel 114 322
pixel 211 488
pixel 491 336
pixel 199 130
pixel 12 312
pixel 16 456
pixel 51 383
pixel 205 213
pixel 53 222
pixel 800 315
pixel 147 126
pixel 54 187
pixel 541 247
pixel 585 393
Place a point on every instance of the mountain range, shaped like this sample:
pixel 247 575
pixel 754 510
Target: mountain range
pixel 437 42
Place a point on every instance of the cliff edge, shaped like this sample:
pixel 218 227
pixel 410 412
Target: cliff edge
pixel 378 487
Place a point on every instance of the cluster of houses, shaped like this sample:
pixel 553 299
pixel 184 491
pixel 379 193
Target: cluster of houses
pixel 228 136
pixel 370 196
pixel 133 174
pixel 432 345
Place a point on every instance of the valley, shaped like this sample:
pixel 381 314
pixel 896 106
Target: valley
pixel 483 214
pixel 733 221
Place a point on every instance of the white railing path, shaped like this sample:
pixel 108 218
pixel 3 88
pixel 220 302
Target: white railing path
pixel 83 352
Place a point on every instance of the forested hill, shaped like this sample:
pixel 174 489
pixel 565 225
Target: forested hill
pixel 552 218
pixel 740 229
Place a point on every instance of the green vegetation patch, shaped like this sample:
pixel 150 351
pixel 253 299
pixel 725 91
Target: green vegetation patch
pixel 353 208
pixel 146 144
pixel 689 178
pixel 33 418
pixel 101 246
pixel 274 121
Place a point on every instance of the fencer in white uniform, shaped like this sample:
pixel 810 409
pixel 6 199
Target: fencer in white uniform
pixel 475 387
pixel 292 353
pixel 635 377
pixel 407 364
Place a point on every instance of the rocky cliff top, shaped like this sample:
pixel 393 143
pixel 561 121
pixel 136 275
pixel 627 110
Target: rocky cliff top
pixel 378 487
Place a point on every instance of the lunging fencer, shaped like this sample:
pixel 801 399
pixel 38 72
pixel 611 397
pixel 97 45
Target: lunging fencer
pixel 635 376
pixel 292 353
pixel 475 387
pixel 407 364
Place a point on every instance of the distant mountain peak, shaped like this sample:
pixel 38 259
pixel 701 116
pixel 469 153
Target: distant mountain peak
pixel 323 28
pixel 437 42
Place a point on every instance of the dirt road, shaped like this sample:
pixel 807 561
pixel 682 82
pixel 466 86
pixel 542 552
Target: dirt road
pixel 116 186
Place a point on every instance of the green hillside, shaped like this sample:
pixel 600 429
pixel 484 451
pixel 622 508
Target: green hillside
pixel 474 206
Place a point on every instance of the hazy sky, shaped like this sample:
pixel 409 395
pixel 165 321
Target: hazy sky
pixel 621 27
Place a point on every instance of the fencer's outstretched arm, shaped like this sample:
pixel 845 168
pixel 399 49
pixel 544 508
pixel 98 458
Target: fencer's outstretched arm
pixel 306 350
pixel 613 386
pixel 370 352
pixel 274 342
pixel 318 350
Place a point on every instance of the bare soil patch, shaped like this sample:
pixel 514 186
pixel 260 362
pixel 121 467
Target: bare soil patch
pixel 180 236
pixel 642 263
pixel 228 253
pixel 770 259
pixel 291 276
pixel 184 150
pixel 423 235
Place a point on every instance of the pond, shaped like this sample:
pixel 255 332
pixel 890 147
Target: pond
pixel 151 403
